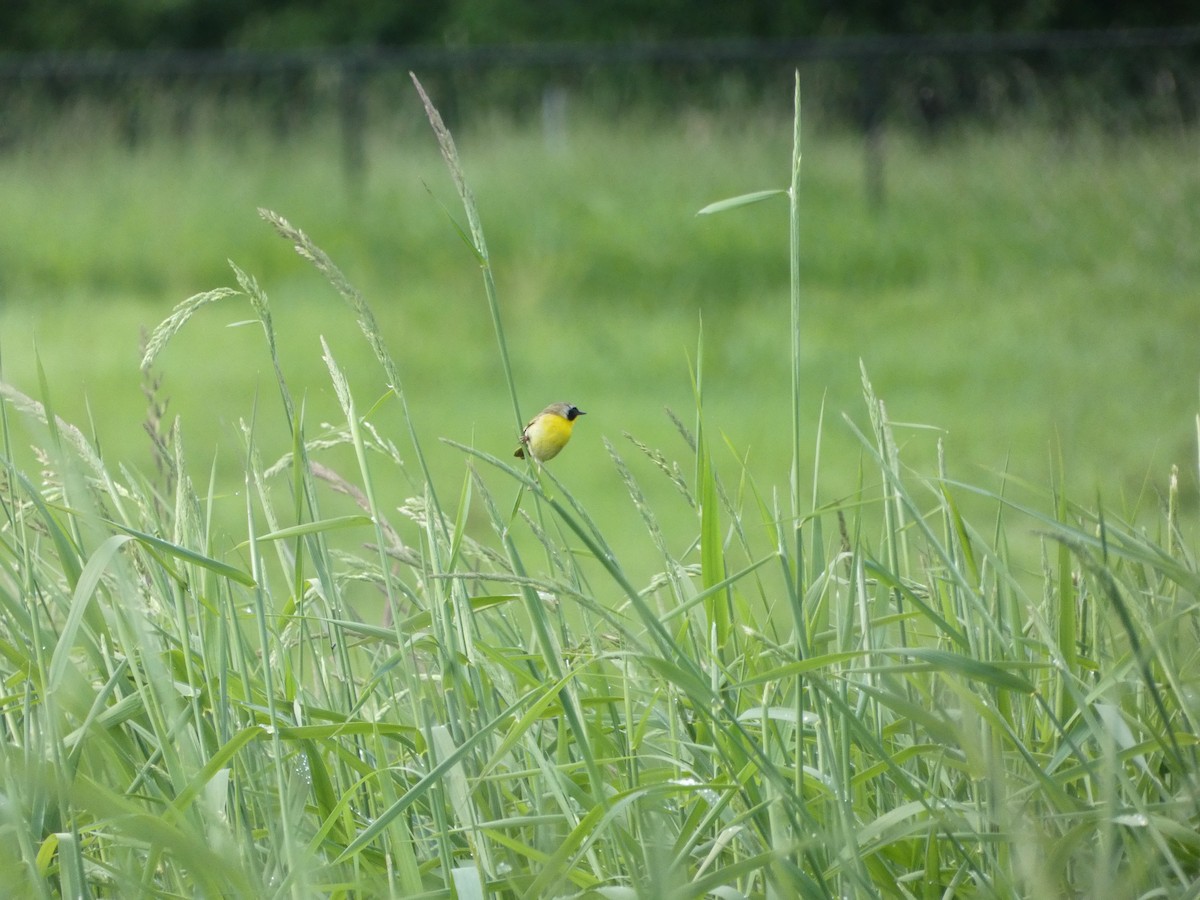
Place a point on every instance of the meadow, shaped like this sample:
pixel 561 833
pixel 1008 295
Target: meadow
pixel 1030 296
pixel 870 571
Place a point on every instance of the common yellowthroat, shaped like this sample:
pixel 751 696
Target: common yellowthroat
pixel 548 432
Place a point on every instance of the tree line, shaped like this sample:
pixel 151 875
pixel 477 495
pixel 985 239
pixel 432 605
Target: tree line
pixel 164 25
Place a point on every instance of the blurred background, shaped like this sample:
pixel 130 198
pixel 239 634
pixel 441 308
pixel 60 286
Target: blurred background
pixel 1001 224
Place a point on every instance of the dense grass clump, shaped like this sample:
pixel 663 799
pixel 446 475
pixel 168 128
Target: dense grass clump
pixel 467 693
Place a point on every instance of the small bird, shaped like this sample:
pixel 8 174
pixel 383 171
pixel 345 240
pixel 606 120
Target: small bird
pixel 548 432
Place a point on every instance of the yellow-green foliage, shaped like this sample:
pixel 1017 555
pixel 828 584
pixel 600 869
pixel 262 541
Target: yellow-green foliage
pixel 357 659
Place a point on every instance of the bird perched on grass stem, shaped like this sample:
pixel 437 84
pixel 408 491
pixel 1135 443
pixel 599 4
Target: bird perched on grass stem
pixel 548 432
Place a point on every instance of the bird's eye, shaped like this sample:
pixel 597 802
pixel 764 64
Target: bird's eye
pixel 572 414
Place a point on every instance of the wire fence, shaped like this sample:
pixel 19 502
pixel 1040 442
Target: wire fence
pixel 1123 79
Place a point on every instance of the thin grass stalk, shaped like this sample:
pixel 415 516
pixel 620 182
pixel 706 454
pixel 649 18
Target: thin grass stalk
pixel 795 572
pixel 194 624
pixel 262 308
pixel 794 289
pixel 478 244
pixel 370 329
pixel 551 653
pixel 672 573
pixel 717 613
pixel 267 649
pixel 349 410
pixel 476 240
pixel 1066 613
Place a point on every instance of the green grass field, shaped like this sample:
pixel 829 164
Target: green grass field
pixel 673 673
pixel 1028 294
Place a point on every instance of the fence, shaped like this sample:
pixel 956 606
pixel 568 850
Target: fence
pixel 1148 76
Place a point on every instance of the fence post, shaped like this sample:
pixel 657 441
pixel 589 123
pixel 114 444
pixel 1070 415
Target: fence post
pixel 352 117
pixel 873 104
pixel 554 118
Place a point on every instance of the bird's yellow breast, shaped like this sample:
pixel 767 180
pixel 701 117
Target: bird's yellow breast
pixel 547 434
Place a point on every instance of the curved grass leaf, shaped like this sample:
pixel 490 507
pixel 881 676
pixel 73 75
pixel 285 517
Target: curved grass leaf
pixel 742 200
